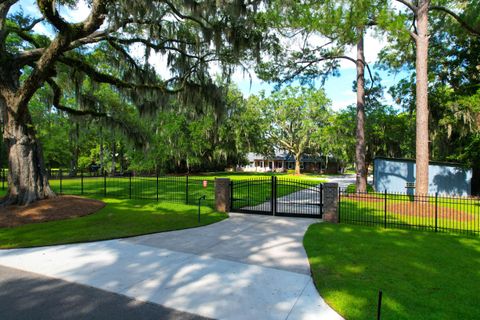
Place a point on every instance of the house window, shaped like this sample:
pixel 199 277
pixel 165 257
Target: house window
pixel 279 164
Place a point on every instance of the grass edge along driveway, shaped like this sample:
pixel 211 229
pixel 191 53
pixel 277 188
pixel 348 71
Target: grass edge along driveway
pixel 118 219
pixel 422 275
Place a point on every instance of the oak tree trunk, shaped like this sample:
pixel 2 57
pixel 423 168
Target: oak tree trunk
pixel 297 164
pixel 27 179
pixel 422 156
pixel 361 178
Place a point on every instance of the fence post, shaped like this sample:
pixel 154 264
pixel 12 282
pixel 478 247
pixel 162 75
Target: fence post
pixel 81 182
pixel 222 194
pixel 104 183
pixel 231 196
pixel 186 189
pixel 321 200
pixel 385 211
pixel 272 195
pixel 436 211
pixel 330 202
pixel 60 173
pixel 339 203
pixel 130 185
pixel 157 184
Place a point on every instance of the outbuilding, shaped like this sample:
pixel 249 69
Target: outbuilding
pixel 398 175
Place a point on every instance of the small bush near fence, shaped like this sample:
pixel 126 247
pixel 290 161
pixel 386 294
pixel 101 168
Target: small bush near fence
pixel 429 212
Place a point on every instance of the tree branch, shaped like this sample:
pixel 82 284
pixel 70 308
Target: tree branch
pixel 57 95
pixel 32 24
pixel 106 78
pixel 462 22
pixel 182 16
pixel 67 34
pixel 409 5
pixel 29 56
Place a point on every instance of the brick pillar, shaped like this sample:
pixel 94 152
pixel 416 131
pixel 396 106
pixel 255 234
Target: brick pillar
pixel 330 202
pixel 222 194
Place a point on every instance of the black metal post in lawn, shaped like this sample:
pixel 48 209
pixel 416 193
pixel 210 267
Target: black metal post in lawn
pixel 104 183
pixel 157 184
pixel 81 182
pixel 130 185
pixel 60 173
pixel 385 211
pixel 199 200
pixel 186 189
pixel 379 307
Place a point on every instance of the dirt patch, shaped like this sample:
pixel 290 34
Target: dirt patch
pixel 362 197
pixel 58 208
pixel 427 210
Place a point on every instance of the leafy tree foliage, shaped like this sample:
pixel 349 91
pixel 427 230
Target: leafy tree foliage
pixel 294 116
pixel 191 35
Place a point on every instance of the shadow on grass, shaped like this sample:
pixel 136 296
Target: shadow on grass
pixel 119 218
pixel 422 275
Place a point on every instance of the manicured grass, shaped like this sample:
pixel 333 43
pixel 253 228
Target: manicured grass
pixel 422 275
pixel 119 218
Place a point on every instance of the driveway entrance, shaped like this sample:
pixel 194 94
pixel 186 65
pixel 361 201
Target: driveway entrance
pixel 277 196
pixel 245 267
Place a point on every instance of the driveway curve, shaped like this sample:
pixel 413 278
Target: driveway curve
pixel 245 267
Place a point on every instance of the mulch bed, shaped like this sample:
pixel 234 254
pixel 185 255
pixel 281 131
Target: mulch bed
pixel 427 210
pixel 58 208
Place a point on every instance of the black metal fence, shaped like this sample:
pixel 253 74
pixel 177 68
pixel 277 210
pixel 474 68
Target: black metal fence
pixel 400 210
pixel 156 187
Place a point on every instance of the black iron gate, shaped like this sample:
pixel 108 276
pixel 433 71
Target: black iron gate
pixel 277 196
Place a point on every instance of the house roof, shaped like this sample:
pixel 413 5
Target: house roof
pixel 281 156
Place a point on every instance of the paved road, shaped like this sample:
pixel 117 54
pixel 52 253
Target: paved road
pixel 245 267
pixel 346 180
pixel 305 201
pixel 25 295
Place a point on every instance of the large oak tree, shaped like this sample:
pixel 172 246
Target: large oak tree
pixel 190 35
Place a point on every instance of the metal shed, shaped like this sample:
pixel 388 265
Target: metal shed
pixel 398 175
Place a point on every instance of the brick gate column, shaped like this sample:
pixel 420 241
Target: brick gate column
pixel 330 202
pixel 222 194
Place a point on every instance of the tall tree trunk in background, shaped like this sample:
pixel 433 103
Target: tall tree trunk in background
pixel 27 179
pixel 102 168
pixel 114 150
pixel 422 156
pixel 361 179
pixel 76 151
pixel 297 163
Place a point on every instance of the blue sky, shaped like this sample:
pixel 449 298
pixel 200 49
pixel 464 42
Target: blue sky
pixel 338 89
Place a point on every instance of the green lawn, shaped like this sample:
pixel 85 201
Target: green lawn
pixel 423 275
pixel 119 218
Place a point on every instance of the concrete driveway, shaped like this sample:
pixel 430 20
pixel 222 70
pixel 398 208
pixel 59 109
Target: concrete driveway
pixel 245 267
